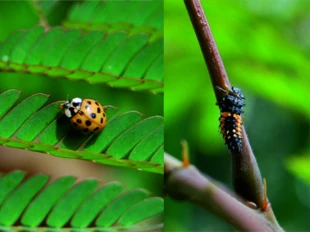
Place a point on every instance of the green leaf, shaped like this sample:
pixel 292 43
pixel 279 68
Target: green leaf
pixel 19 53
pixel 14 205
pixel 129 139
pixel 65 208
pixel 95 203
pixel 43 203
pixel 8 183
pixel 134 135
pixel 133 16
pixel 78 206
pixel 142 210
pixel 118 59
pixel 11 122
pixel 8 46
pixel 157 157
pixel 118 207
pixel 147 145
pixel 7 100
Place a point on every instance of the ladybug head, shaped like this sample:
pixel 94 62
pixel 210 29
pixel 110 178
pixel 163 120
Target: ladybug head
pixel 70 108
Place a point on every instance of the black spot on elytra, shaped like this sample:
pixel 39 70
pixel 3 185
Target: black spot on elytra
pixel 101 120
pixel 93 115
pixel 103 114
pixel 79 121
pixel 98 110
pixel 88 102
pixel 97 128
pixel 88 123
pixel 97 103
pixel 81 113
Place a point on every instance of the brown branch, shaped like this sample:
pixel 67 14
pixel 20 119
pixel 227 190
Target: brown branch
pixel 41 15
pixel 247 179
pixel 208 46
pixel 191 185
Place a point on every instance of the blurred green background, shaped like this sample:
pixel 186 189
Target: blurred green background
pixel 265 47
pixel 21 15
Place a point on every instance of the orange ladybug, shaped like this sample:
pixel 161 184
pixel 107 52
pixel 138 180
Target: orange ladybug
pixel 86 115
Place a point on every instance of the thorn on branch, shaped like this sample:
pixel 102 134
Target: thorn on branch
pixel 185 153
pixel 265 202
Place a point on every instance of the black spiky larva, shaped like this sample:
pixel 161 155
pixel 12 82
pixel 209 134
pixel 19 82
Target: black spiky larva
pixel 230 119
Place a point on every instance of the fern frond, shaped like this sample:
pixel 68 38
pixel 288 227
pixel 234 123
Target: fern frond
pixel 129 139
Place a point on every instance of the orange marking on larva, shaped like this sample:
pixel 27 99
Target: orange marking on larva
pixel 225 114
pixel 237 117
pixel 230 118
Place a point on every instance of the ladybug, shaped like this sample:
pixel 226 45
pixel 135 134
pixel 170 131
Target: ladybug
pixel 86 115
pixel 230 119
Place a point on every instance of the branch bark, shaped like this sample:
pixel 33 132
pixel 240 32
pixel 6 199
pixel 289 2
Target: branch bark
pixel 247 178
pixel 187 183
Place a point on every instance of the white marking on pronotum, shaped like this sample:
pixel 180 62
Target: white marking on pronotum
pixel 77 100
pixel 68 113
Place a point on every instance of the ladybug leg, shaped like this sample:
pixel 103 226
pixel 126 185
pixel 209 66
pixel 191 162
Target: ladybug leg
pixel 62 105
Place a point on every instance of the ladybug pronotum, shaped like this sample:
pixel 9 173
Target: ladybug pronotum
pixel 86 115
pixel 230 119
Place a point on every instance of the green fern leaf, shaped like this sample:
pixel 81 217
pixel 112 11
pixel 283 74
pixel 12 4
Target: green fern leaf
pixel 8 184
pixel 129 139
pixel 118 59
pixel 132 16
pixel 44 202
pixel 31 203
pixel 10 211
pixel 139 211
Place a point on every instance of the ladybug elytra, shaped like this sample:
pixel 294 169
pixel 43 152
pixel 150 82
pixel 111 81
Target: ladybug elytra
pixel 86 115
